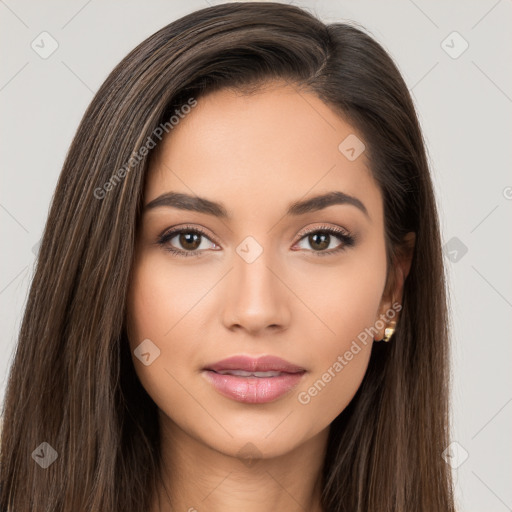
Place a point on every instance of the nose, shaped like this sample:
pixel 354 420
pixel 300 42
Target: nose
pixel 258 299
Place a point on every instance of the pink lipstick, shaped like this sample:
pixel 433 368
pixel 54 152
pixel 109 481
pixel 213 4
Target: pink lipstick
pixel 253 380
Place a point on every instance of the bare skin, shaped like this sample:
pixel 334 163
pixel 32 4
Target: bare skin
pixel 256 155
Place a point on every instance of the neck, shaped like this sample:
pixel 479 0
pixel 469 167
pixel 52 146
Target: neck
pixel 196 477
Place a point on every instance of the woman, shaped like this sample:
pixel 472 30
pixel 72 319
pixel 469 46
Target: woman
pixel 239 301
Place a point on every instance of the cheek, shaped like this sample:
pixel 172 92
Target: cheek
pixel 345 302
pixel 343 299
pixel 160 308
pixel 338 362
pixel 163 298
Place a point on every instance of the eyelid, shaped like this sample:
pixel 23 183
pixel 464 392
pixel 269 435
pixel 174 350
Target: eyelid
pixel 323 227
pixel 175 230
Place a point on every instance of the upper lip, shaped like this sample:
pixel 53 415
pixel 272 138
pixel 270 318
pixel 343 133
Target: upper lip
pixel 255 364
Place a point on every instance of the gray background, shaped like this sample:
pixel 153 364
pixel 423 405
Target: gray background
pixel 465 106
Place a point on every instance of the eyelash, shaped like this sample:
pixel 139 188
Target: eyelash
pixel 346 239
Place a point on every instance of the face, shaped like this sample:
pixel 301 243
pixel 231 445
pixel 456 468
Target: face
pixel 266 280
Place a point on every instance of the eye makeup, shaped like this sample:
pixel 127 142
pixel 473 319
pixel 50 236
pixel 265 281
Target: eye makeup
pixel 346 240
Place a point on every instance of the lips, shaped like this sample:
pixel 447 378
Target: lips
pixel 250 364
pixel 253 380
pixel 243 373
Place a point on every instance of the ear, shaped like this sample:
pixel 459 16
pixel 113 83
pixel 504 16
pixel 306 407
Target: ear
pixel 393 291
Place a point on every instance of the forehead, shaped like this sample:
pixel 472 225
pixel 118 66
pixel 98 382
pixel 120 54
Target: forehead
pixel 267 148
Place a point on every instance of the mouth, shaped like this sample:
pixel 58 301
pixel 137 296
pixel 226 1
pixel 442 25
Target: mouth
pixel 253 380
pixel 243 373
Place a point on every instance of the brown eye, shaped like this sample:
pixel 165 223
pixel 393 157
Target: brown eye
pixel 186 242
pixel 189 240
pixel 321 239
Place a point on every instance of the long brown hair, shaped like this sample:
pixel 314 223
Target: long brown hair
pixel 72 383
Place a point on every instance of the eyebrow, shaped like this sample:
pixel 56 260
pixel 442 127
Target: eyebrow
pixel 183 201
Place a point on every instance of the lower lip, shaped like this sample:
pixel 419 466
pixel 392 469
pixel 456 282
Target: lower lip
pixel 253 390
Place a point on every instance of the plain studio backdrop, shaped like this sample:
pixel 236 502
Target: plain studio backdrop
pixel 456 60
